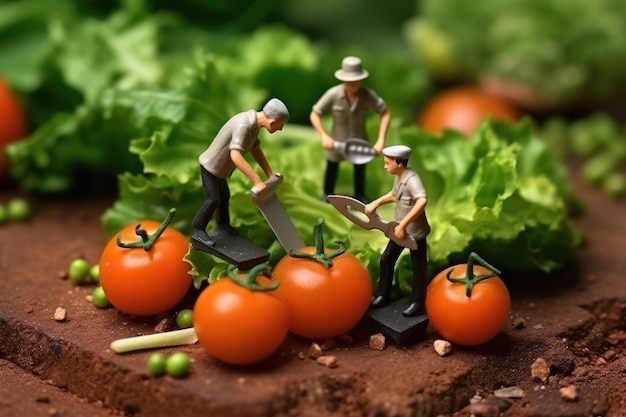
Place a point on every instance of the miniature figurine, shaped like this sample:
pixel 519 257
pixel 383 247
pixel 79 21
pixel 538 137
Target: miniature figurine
pixel 410 197
pixel 349 103
pixel 226 153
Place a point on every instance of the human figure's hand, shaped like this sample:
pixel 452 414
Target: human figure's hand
pixel 328 142
pixel 369 209
pixel 399 232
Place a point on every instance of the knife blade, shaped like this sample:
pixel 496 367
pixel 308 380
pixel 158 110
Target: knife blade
pixel 354 210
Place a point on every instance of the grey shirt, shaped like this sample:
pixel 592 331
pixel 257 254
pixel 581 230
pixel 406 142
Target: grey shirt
pixel 406 190
pixel 348 120
pixel 241 132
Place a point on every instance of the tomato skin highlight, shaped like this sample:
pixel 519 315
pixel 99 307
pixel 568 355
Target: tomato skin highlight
pixel 467 320
pixel 13 122
pixel 237 325
pixel 324 302
pixel 146 283
pixel 464 109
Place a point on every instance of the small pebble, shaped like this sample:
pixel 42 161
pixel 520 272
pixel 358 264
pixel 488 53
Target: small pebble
pixel 442 347
pixel 377 341
pixel 540 370
pixel 329 361
pixel 509 392
pixel 569 393
pixel 519 323
pixel 60 314
pixel 315 351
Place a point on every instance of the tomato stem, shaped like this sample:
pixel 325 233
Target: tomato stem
pixel 249 281
pixel 147 240
pixel 320 255
pixel 470 279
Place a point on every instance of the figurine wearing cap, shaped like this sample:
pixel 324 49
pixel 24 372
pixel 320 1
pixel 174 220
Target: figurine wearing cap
pixel 410 197
pixel 349 103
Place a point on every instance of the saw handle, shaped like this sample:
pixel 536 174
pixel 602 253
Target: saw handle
pixel 272 185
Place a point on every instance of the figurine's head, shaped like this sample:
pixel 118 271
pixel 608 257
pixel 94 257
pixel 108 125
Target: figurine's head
pixel 276 114
pixel 351 70
pixel 396 158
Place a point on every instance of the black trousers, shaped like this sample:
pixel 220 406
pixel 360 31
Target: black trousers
pixel 418 263
pixel 217 198
pixel 330 178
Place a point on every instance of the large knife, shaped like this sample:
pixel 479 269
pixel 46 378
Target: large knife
pixel 354 210
pixel 356 150
pixel 275 214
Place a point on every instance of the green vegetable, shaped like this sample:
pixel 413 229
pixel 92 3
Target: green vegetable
pixel 156 364
pixel 94 273
pixel 3 214
pixel 157 340
pixel 177 365
pixel 78 270
pixel 562 51
pixel 184 319
pixel 100 299
pixel 18 209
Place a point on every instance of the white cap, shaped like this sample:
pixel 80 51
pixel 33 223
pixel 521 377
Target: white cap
pixel 397 152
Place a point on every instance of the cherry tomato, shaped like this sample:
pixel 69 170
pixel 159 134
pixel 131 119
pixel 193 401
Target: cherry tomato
pixel 145 282
pixel 241 321
pixel 468 308
pixel 13 123
pixel 463 109
pixel 323 300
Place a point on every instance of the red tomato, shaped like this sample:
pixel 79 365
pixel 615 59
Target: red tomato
pixel 324 301
pixel 463 109
pixel 13 124
pixel 467 320
pixel 240 325
pixel 146 282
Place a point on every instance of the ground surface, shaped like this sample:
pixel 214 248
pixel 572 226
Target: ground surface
pixel 575 320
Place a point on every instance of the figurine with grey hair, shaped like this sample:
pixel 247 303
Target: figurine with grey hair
pixel 349 104
pixel 410 197
pixel 238 136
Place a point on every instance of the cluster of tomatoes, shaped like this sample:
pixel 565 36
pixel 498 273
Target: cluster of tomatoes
pixel 242 318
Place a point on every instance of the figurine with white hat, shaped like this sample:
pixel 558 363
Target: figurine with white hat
pixel 410 197
pixel 349 104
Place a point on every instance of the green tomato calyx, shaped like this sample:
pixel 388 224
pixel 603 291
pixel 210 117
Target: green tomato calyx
pixel 249 281
pixel 320 254
pixel 469 280
pixel 147 240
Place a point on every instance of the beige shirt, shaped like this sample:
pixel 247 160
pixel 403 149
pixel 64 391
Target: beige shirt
pixel 241 132
pixel 406 190
pixel 348 120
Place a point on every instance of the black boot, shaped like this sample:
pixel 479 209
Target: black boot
pixel 413 309
pixel 379 302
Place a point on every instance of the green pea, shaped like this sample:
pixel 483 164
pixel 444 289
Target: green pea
pixel 18 209
pixel 100 299
pixel 156 364
pixel 615 184
pixel 94 273
pixel 78 270
pixel 184 319
pixel 177 365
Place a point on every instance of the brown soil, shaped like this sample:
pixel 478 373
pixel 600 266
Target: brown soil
pixel 575 320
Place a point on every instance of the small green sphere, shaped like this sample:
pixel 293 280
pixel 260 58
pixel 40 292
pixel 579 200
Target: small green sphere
pixel 18 209
pixel 156 364
pixel 184 319
pixel 177 365
pixel 78 270
pixel 100 299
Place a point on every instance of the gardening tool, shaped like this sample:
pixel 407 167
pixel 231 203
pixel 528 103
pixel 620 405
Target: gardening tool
pixel 354 210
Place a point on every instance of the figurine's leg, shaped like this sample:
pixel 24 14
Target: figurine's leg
pixel 419 264
pixel 330 178
pixel 211 186
pixel 387 265
pixel 359 183
pixel 222 215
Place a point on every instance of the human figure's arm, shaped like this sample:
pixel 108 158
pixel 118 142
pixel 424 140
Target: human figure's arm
pixel 259 157
pixel 316 122
pixel 382 200
pixel 385 119
pixel 240 162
